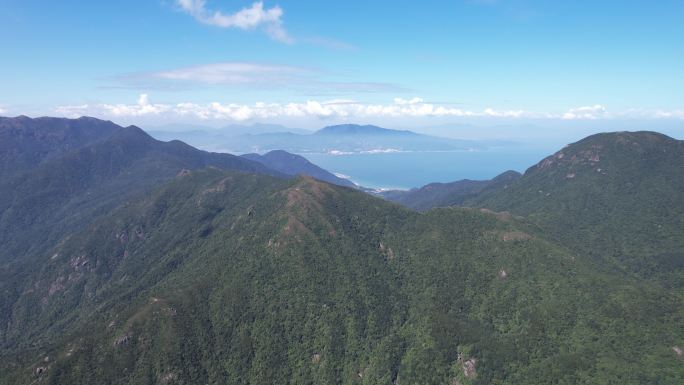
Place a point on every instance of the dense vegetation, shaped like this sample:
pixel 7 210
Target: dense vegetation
pixel 449 194
pixel 225 277
pixel 293 164
pixel 616 196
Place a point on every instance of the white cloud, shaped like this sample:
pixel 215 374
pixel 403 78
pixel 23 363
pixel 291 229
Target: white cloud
pixel 249 75
pixel 586 112
pixel 337 109
pixel 256 16
pixel 141 108
pixel 3 111
pixel 233 73
pixel 75 111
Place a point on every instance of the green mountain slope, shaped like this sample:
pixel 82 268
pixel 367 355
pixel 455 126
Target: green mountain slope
pixel 96 178
pixel 26 142
pixel 80 181
pixel 616 196
pixel 293 164
pixel 449 194
pixel 233 278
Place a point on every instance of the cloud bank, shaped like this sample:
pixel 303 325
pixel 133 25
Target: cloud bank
pixel 338 109
pixel 253 17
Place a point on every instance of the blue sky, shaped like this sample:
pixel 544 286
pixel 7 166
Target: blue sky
pixel 312 63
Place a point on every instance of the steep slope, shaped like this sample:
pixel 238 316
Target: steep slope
pixel 26 142
pixel 96 178
pixel 63 194
pixel 232 278
pixel 291 164
pixel 617 196
pixel 449 194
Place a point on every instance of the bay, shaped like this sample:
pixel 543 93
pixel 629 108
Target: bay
pixel 405 170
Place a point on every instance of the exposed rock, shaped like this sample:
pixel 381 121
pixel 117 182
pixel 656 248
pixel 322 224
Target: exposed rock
pixel 316 358
pixel 40 370
pixel 678 351
pixel 168 377
pixel 503 274
pixel 545 163
pixel 57 285
pixel 77 263
pixel 122 237
pixel 500 215
pixel 122 340
pixel 469 368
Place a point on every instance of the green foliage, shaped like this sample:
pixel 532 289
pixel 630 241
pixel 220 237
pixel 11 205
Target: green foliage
pixel 232 278
pixel 616 197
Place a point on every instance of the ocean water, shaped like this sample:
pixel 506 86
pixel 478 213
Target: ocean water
pixel 405 170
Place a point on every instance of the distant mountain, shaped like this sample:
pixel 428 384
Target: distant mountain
pixel 26 142
pixel 340 139
pixel 217 139
pixel 367 130
pixel 80 176
pixel 449 194
pixel 291 164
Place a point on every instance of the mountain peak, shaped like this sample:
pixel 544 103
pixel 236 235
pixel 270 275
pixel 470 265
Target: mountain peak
pixel 615 149
pixel 356 129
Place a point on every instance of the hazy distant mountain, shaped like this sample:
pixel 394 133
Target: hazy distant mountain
pixel 88 178
pixel 292 164
pixel 217 139
pixel 26 142
pixel 340 139
pixel 367 130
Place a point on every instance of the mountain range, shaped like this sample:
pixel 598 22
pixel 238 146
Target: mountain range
pixel 340 139
pixel 127 260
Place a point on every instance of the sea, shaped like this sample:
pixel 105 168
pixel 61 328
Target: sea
pixel 406 170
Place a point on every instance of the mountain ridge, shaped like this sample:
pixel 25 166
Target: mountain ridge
pixel 211 275
pixel 265 275
pixel 292 164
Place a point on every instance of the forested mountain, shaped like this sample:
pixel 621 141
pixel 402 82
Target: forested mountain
pixel 92 178
pixel 154 269
pixel 26 142
pixel 229 278
pixel 292 164
pixel 448 194
pixel 616 196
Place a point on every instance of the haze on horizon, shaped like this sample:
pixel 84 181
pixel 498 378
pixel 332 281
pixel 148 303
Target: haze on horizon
pixel 513 69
